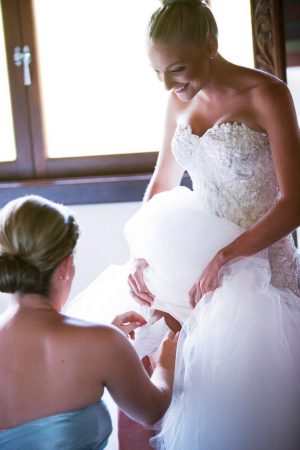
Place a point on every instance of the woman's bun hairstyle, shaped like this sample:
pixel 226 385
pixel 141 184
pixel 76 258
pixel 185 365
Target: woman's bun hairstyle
pixel 182 20
pixel 35 236
pixel 17 275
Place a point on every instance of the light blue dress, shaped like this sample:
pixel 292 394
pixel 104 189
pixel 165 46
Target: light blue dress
pixel 83 429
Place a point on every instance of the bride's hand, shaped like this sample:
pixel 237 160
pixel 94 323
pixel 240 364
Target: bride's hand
pixel 208 281
pixel 128 322
pixel 138 288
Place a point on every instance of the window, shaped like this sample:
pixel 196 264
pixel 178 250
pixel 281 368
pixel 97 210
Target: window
pixel 235 36
pixel 6 122
pixel 90 105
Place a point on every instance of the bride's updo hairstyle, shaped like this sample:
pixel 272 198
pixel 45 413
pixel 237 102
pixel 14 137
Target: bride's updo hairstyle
pixel 35 236
pixel 182 20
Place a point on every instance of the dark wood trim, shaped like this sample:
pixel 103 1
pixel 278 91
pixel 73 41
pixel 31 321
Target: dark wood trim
pixel 89 190
pixel 33 91
pixel 110 165
pixel 80 190
pixel 105 165
pixel 268 36
pixel 23 166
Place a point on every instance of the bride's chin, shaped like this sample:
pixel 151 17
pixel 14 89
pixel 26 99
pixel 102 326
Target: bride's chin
pixel 184 96
pixel 187 95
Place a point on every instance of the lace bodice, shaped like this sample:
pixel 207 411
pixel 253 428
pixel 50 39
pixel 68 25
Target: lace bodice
pixel 232 172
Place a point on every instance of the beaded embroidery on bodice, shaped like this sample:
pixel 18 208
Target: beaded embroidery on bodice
pixel 232 172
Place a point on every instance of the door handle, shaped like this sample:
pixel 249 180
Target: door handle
pixel 22 57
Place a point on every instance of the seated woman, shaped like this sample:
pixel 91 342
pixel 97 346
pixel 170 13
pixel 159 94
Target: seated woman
pixel 54 369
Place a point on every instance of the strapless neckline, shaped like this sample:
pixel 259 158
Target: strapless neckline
pixel 224 126
pixel 231 169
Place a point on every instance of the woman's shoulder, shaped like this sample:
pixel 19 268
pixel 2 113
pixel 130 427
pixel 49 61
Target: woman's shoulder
pixel 262 92
pixel 269 102
pixel 260 83
pixel 85 328
pixel 89 340
pixel 87 334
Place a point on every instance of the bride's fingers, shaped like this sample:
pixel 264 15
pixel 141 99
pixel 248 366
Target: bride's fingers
pixel 141 285
pixel 140 297
pixel 132 283
pixel 196 293
pixel 192 293
pixel 139 291
pixel 199 293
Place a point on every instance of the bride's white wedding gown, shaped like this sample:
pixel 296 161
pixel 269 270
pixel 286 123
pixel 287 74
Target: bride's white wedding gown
pixel 237 380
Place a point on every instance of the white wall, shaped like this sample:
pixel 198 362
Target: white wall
pixel 101 242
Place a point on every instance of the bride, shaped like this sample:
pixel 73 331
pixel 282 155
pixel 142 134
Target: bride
pixel 219 260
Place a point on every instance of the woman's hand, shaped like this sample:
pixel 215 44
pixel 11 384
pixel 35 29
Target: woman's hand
pixel 208 281
pixel 128 322
pixel 138 288
pixel 165 355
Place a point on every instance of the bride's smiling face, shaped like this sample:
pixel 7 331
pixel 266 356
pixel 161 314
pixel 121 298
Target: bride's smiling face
pixel 183 67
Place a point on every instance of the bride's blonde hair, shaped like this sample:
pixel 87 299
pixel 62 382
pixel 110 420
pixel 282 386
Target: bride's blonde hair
pixel 182 20
pixel 35 236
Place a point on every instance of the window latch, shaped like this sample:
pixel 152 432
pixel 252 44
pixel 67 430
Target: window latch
pixel 22 56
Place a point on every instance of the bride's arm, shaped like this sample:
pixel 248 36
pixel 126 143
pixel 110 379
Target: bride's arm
pixel 278 117
pixel 167 173
pixel 275 114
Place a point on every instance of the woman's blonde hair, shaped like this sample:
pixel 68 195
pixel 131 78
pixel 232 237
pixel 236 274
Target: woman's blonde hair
pixel 182 20
pixel 35 236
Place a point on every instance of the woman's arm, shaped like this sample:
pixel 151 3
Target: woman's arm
pixel 276 114
pixel 143 399
pixel 167 173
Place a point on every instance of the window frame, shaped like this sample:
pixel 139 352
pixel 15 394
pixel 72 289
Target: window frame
pixel 90 179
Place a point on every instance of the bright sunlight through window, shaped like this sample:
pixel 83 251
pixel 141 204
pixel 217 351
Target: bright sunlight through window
pixel 235 31
pixel 99 94
pixel 7 138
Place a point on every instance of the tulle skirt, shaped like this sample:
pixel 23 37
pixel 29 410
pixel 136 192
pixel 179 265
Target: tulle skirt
pixel 237 378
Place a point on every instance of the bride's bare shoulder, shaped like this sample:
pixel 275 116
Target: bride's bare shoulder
pixel 261 83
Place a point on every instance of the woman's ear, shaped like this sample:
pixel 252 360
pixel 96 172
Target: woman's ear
pixel 65 269
pixel 212 46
